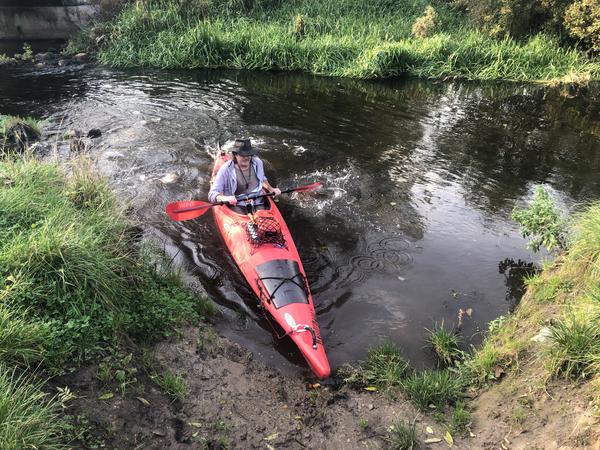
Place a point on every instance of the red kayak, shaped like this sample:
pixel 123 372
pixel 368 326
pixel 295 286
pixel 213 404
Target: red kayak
pixel 264 250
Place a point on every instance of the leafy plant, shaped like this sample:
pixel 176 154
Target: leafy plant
pixel 461 419
pixel 582 20
pixel 27 54
pixel 541 222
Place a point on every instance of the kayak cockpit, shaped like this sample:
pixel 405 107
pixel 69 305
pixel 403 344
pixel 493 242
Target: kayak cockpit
pixel 283 282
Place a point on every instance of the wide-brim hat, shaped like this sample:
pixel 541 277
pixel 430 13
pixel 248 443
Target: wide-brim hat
pixel 243 147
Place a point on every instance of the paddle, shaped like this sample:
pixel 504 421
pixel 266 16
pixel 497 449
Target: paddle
pixel 191 209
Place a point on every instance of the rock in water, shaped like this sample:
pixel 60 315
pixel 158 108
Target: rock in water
pixel 19 135
pixel 169 178
pixel 94 133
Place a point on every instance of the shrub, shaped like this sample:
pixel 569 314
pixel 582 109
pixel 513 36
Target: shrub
pixel 424 25
pixel 582 20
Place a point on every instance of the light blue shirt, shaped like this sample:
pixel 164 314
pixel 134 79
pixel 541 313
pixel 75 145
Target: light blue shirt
pixel 226 182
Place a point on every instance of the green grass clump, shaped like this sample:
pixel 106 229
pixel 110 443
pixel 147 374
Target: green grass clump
pixel 576 346
pixel 385 366
pixel 171 384
pixel 401 436
pixel 349 38
pixel 444 344
pixel 69 262
pixel 432 387
pixel 28 418
pixel 22 341
pixel 461 419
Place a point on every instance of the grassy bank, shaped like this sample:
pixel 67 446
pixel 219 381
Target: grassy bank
pixel 556 327
pixel 350 38
pixel 551 341
pixel 75 284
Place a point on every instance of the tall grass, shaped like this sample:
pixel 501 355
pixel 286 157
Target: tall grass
pixel 28 418
pixel 349 38
pixel 71 271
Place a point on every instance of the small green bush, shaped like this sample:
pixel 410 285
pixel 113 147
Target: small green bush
pixel 424 25
pixel 172 384
pixel 582 20
pixel 385 366
pixel 542 222
pixel 461 419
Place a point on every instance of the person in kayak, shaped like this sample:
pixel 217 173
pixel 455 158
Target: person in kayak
pixel 243 174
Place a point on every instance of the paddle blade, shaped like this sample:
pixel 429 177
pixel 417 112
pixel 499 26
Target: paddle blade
pixel 308 187
pixel 187 210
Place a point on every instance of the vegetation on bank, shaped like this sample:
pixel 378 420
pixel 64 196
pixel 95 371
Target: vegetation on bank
pixel 349 38
pixel 75 284
pixel 554 332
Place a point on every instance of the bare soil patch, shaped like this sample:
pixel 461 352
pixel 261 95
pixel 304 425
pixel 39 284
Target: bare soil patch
pixel 232 401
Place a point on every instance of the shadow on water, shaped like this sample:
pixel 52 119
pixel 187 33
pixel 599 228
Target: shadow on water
pixel 420 179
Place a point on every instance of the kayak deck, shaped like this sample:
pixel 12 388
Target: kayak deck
pixel 263 249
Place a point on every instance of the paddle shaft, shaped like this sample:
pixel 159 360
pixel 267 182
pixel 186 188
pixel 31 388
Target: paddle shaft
pixel 239 198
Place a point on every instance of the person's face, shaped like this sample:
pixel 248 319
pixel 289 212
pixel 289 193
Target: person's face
pixel 243 161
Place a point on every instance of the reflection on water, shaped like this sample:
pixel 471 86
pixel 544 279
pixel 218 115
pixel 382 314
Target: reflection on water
pixel 420 179
pixel 514 273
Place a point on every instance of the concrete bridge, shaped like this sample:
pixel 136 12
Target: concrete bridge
pixel 34 20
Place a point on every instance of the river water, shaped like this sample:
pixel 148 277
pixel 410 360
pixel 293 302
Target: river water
pixel 413 223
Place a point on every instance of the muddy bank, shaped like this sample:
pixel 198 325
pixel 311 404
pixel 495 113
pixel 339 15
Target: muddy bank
pixel 232 401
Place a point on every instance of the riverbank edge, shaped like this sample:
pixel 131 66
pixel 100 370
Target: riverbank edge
pixel 163 36
pixel 129 393
pixel 546 354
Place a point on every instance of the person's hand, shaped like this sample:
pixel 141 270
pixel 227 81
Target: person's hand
pixel 229 199
pixel 276 192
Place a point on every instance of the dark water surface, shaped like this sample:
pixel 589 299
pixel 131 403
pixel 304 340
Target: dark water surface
pixel 413 224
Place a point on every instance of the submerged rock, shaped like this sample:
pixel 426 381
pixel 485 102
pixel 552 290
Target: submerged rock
pixel 19 136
